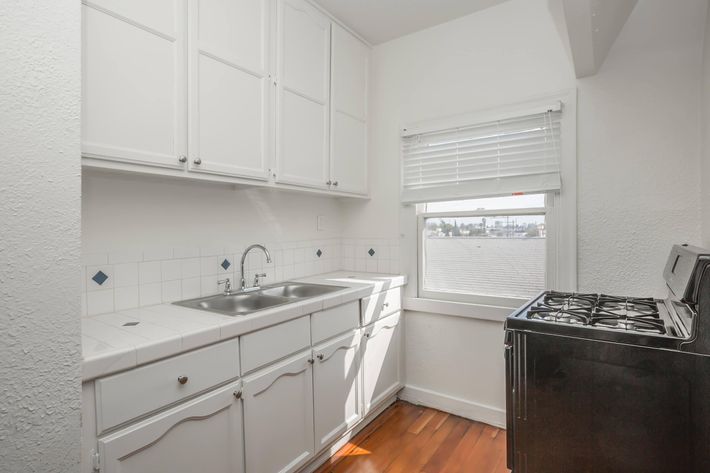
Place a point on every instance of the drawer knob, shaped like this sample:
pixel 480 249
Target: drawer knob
pixel 386 304
pixel 182 379
pixel 238 394
pixel 320 356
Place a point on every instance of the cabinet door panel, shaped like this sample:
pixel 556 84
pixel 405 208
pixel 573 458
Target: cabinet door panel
pixel 278 416
pixel 236 30
pixel 336 381
pixel 348 158
pixel 133 106
pixel 230 91
pixel 350 70
pixel 349 155
pixel 304 49
pixel 381 352
pixel 204 434
pixel 302 149
pixel 303 94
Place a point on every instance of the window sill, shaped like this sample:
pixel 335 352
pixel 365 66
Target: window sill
pixel 458 309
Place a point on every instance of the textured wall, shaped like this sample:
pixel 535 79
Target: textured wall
pixel 39 236
pixel 705 130
pixel 639 150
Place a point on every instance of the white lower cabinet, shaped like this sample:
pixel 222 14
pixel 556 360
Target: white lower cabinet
pixel 278 416
pixel 381 360
pixel 336 387
pixel 204 434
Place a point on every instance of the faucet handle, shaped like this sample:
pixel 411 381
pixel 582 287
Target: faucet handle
pixel 256 278
pixel 227 285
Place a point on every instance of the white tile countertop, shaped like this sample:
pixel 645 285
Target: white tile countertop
pixel 122 340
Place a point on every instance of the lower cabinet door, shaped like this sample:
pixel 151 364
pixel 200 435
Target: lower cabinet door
pixel 202 435
pixel 278 416
pixel 336 382
pixel 381 360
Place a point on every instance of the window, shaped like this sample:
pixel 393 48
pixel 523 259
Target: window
pixel 495 194
pixel 487 251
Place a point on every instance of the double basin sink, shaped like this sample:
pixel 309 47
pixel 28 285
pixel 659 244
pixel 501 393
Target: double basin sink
pixel 247 302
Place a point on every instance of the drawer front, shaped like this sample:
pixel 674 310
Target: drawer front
pixel 125 396
pixel 274 343
pixel 380 305
pixel 334 321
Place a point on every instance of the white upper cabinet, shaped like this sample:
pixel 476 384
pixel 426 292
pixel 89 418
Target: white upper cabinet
pixel 263 91
pixel 303 84
pixel 350 61
pixel 134 85
pixel 204 434
pixel 230 87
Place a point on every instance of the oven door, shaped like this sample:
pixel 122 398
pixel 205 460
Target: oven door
pixel 598 407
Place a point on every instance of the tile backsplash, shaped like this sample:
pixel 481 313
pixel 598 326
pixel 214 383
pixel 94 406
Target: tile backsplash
pixel 121 280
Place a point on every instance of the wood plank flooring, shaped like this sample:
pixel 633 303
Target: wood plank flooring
pixel 412 439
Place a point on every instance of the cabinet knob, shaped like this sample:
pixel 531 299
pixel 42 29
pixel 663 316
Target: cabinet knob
pixel 182 379
pixel 320 356
pixel 182 159
pixel 335 183
pixel 328 183
pixel 238 394
pixel 311 361
pixel 197 161
pixel 386 304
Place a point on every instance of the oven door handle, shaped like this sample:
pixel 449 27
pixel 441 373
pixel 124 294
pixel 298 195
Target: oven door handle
pixel 509 396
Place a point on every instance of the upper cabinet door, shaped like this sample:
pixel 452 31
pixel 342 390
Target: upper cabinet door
pixel 303 83
pixel 349 112
pixel 133 100
pixel 230 87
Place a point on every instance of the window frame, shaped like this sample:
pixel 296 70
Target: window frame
pixel 551 251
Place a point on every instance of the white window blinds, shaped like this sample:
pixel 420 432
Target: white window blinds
pixel 519 154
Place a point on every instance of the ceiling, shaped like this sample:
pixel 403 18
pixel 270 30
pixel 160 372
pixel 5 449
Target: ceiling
pixel 382 20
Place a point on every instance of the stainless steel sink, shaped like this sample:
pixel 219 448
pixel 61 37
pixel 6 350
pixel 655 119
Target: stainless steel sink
pixel 294 290
pixel 243 303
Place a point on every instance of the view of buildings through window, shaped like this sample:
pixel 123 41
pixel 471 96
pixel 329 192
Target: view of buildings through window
pixel 491 255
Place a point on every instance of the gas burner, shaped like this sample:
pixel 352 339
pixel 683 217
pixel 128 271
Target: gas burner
pixel 633 324
pixel 562 312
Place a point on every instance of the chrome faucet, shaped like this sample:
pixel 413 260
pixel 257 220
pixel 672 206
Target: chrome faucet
pixel 243 283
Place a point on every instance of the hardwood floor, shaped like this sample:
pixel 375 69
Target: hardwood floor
pixel 413 439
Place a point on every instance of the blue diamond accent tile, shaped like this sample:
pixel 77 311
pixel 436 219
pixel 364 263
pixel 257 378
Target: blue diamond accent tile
pixel 226 264
pixel 319 253
pixel 371 252
pixel 100 278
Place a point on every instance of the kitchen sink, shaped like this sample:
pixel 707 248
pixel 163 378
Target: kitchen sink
pixel 248 302
pixel 299 290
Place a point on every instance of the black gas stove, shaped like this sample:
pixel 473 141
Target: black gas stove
pixel 603 383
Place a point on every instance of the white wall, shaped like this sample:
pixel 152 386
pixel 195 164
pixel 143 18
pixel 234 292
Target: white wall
pixel 40 371
pixel 705 130
pixel 639 149
pixel 638 152
pixel 128 211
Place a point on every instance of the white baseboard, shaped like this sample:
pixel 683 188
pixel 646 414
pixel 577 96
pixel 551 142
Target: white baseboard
pixel 454 405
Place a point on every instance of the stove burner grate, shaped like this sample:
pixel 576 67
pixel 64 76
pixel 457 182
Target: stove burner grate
pixel 613 312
